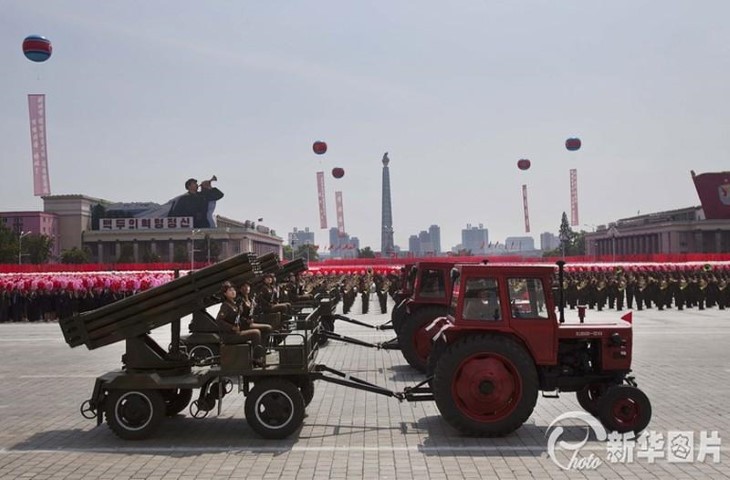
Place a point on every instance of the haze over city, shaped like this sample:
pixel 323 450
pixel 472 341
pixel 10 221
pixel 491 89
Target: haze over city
pixel 143 95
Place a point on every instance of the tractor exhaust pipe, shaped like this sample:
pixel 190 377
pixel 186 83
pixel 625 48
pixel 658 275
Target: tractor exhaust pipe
pixel 561 292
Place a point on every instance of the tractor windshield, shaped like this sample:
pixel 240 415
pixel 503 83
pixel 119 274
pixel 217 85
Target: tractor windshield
pixel 432 284
pixel 527 298
pixel 481 299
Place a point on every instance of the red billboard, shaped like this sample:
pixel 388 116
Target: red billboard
pixel 714 192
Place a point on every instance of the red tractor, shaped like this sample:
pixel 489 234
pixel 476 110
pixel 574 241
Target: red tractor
pixel 501 342
pixel 429 299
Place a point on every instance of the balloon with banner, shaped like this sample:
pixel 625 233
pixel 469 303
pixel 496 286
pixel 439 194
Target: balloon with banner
pixel 320 148
pixel 524 164
pixel 321 198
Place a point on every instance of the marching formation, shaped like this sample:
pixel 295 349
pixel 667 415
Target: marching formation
pixel 49 297
pixel 664 287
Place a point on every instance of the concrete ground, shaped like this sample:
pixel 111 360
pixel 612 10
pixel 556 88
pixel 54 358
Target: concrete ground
pixel 681 361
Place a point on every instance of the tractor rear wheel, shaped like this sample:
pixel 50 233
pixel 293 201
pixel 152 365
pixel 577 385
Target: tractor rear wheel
pixel 398 315
pixel 134 414
pixel 624 408
pixel 589 396
pixel 415 342
pixel 274 408
pixel 485 385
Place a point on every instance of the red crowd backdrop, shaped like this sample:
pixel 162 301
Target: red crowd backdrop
pixel 384 264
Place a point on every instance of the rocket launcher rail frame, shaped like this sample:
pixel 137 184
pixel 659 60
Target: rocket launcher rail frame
pixel 140 313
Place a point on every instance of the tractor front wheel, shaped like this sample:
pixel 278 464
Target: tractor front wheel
pixel 485 385
pixel 589 396
pixel 624 408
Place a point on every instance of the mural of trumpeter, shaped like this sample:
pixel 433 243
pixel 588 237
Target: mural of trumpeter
pixel 198 202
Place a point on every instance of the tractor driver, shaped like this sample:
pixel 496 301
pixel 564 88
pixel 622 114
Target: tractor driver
pixel 484 307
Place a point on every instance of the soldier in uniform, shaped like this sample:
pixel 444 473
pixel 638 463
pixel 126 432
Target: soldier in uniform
pixel 662 296
pixel 570 291
pixel 233 330
pixel 600 292
pixel 581 290
pixel 365 292
pixel 679 292
pixel 381 290
pixel 723 293
pixel 639 292
pixel 712 290
pixel 246 304
pixel 650 291
pixel 591 292
pixel 692 292
pixel 702 291
pixel 4 304
pixel 620 292
pixel 346 293
pixel 267 297
pixel 630 291
pixel 611 291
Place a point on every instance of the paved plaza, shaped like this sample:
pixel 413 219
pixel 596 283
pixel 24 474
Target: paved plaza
pixel 681 360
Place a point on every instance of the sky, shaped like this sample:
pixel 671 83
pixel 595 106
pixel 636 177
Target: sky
pixel 142 95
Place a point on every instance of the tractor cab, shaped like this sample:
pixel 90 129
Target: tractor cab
pixel 518 300
pixel 432 282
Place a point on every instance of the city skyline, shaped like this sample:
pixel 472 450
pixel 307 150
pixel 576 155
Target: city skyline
pixel 136 104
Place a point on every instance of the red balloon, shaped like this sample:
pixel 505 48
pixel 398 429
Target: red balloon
pixel 37 48
pixel 338 172
pixel 523 164
pixel 319 147
pixel 572 144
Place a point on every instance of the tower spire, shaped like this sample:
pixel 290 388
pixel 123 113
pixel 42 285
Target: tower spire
pixel 386 242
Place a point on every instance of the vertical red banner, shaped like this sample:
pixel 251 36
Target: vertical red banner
pixel 574 197
pixel 320 196
pixel 340 214
pixel 524 207
pixel 37 110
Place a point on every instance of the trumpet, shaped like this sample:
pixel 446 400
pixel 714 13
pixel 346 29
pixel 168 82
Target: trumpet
pixel 206 183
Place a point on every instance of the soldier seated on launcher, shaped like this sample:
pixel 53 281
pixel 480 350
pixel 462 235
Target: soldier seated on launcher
pixel 267 298
pixel 231 330
pixel 246 305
